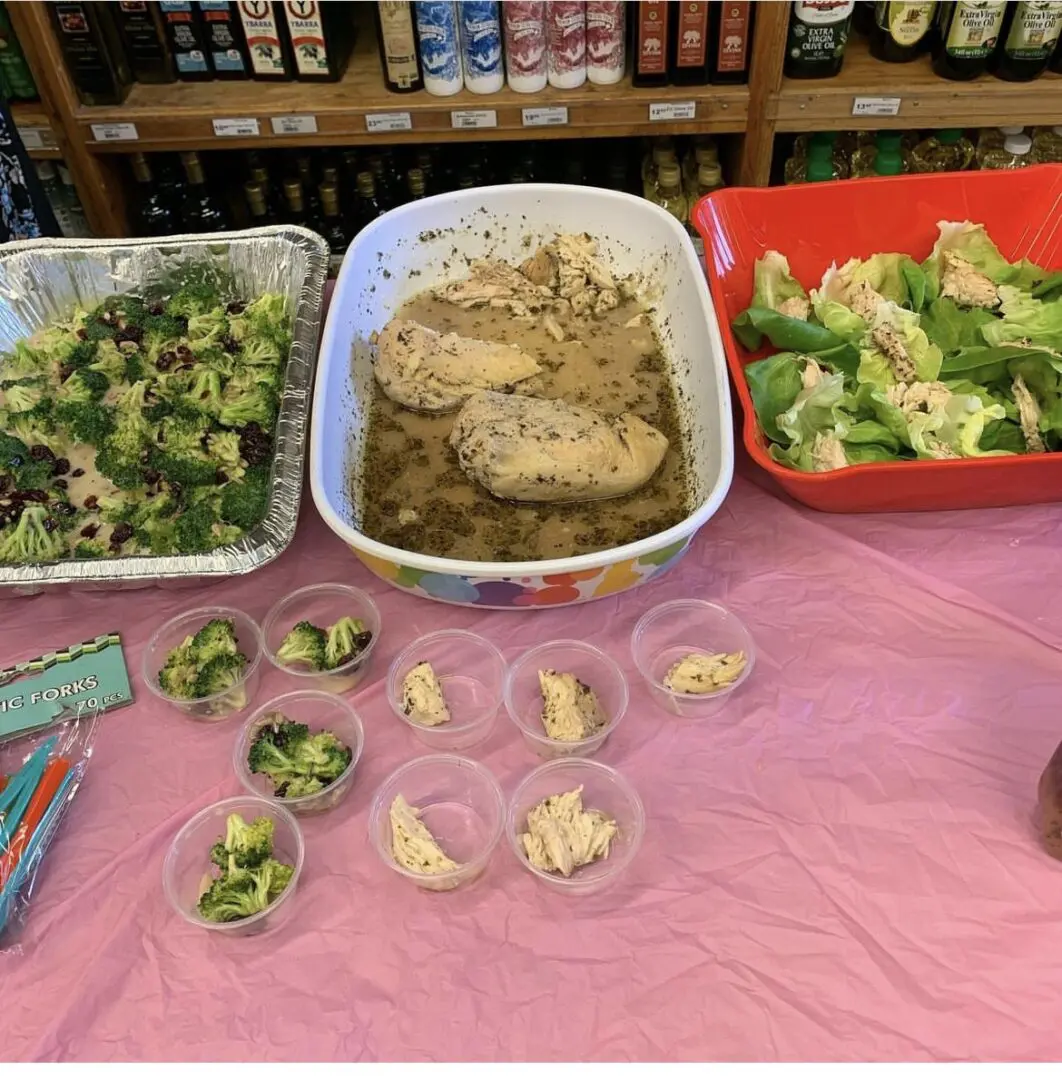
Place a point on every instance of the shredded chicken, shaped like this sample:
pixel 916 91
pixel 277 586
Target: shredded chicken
pixel 812 374
pixel 1028 416
pixel 561 836
pixel 962 282
pixel 496 284
pixel 865 301
pixel 890 343
pixel 827 452
pixel 703 673
pixel 917 397
pixel 796 307
pixel 413 845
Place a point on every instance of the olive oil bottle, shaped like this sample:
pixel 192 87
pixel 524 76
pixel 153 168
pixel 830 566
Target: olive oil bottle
pixel 967 36
pixel 901 30
pixel 818 36
pixel 1029 35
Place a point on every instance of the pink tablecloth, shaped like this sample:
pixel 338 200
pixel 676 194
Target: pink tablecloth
pixel 843 866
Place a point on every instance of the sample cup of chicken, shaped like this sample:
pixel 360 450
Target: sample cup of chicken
pixel 447 686
pixel 576 825
pixel 566 697
pixel 300 749
pixel 436 821
pixel 205 663
pixel 323 636
pixel 693 655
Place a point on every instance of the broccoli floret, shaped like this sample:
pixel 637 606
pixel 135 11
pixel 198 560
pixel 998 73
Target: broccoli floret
pixel 35 475
pixel 265 317
pixel 35 538
pixel 178 675
pixel 297 762
pixel 109 361
pixel 246 503
pixel 324 756
pixel 230 898
pixel 24 360
pixel 260 351
pixel 13 452
pixel 87 423
pixel 194 533
pixel 248 844
pixel 134 368
pixel 155 344
pixel 158 411
pixel 346 639
pixel 204 394
pixel 224 448
pixel 194 297
pixel 303 646
pixel 83 387
pixel 270 757
pixel 223 673
pixel 301 785
pixel 186 470
pixel 257 406
pixel 90 549
pixel 113 463
pixel 216 638
pixel 208 329
pixel 183 435
pixel 22 396
pixel 82 354
pixel 162 326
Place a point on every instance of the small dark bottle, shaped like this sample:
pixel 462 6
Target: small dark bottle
pixel 267 43
pixel 144 38
pixel 321 37
pixel 367 206
pixel 155 214
pixel 652 36
pixel 333 228
pixel 304 171
pixel 1029 35
pixel 902 31
pixel 296 211
pixel 688 63
pixel 201 211
pixel 863 17
pixel 818 35
pixel 416 184
pixel 223 32
pixel 258 209
pixel 93 52
pixel 730 41
pixel 967 36
pixel 188 41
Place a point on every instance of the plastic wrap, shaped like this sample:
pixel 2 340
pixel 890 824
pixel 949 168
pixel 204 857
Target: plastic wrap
pixel 41 280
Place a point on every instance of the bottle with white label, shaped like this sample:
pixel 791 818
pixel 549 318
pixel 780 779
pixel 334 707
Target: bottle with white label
pixel 481 46
pixel 267 47
pixel 526 45
pixel 321 38
pixel 1030 33
pixel 440 47
pixel 606 35
pixel 818 36
pixel 967 36
pixel 566 25
pixel 398 46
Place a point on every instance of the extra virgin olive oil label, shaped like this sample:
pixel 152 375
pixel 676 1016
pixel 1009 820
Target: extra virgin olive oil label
pixel 905 23
pixel 185 37
pixel 399 43
pixel 974 28
pixel 259 18
pixel 819 29
pixel 1034 31
pixel 306 27
pixel 222 36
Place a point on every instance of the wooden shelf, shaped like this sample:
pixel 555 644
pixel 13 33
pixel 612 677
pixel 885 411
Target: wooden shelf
pixel 926 100
pixel 35 129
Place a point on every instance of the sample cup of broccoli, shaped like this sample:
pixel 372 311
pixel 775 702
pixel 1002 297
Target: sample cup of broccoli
pixel 205 662
pixel 190 869
pixel 300 749
pixel 323 636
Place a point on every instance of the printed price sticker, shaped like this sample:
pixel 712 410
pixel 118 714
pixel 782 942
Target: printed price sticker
pixel 33 137
pixel 546 116
pixel 473 118
pixel 876 106
pixel 389 121
pixel 237 127
pixel 114 132
pixel 294 125
pixel 673 110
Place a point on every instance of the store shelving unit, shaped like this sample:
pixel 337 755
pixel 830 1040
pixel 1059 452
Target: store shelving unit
pixel 35 129
pixel 358 110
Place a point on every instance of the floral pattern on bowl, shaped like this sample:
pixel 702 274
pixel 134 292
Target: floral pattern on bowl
pixel 548 590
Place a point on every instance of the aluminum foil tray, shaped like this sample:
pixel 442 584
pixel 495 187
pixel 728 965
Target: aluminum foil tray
pixel 41 280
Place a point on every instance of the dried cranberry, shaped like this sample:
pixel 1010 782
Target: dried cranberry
pixel 152 476
pixel 82 334
pixel 175 489
pixel 185 367
pixel 91 502
pixel 236 307
pixel 41 453
pixel 121 532
pixel 166 360
pixel 61 466
pixel 33 495
pixel 60 484
pixel 130 333
pixel 50 524
pixel 230 345
pixel 66 509
pixel 184 354
pixel 156 308
pixel 89 531
pixel 65 371
pixel 221 477
pixel 77 472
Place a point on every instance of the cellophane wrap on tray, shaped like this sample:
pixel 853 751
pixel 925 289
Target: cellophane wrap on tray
pixel 74 736
pixel 41 281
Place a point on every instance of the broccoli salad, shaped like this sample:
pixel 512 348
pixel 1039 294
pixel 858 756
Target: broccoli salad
pixel 295 761
pixel 959 356
pixel 142 427
pixel 205 664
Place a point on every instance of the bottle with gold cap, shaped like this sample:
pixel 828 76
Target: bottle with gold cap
pixel 305 172
pixel 295 212
pixel 709 178
pixel 155 215
pixel 201 211
pixel 258 204
pixel 662 153
pixel 332 227
pixel 417 184
pixel 367 206
pixel 669 193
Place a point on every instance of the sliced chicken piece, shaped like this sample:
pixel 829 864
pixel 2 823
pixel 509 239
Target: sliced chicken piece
pixel 962 282
pixel 1028 416
pixel 570 709
pixel 423 700
pixel 534 450
pixel 578 254
pixel 562 835
pixel 540 269
pixel 493 283
pixel 431 372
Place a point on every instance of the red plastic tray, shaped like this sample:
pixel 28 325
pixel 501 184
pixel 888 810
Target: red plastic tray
pixel 816 224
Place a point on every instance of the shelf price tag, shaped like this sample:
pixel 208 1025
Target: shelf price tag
pixel 236 128
pixel 876 106
pixel 388 121
pixel 473 118
pixel 294 125
pixel 673 110
pixel 545 116
pixel 114 132
pixel 33 137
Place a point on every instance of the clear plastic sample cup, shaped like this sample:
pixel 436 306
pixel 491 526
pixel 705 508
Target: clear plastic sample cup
pixel 170 634
pixel 461 806
pixel 187 870
pixel 669 632
pixel 320 712
pixel 322 605
pixel 523 696
pixel 471 672
pixel 604 789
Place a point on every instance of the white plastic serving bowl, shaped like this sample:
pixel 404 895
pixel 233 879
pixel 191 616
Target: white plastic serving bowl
pixel 432 237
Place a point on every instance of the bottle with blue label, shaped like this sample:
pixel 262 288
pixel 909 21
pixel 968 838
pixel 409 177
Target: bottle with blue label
pixel 224 39
pixel 440 47
pixel 187 39
pixel 481 46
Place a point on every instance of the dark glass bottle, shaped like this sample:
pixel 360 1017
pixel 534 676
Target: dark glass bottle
pixel 187 40
pixel 201 212
pixel 416 184
pixel 818 35
pixel 730 41
pixel 967 36
pixel 688 62
pixel 155 214
pixel 17 76
pixel 367 206
pixel 267 43
pixel 259 211
pixel 902 31
pixel 223 33
pixel 652 34
pixel 321 38
pixel 93 52
pixel 296 212
pixel 1028 37
pixel 305 173
pixel 863 17
pixel 333 228
pixel 144 38
pixel 398 46
pixel 387 185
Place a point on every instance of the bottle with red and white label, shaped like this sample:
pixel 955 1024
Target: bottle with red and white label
pixel 606 25
pixel 651 43
pixel 689 44
pixel 267 43
pixel 526 45
pixel 731 35
pixel 566 25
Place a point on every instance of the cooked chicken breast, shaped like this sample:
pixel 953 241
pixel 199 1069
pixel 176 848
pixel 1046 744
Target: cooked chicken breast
pixel 570 709
pixel 413 845
pixel 534 450
pixel 431 372
pixel 493 283
pixel 423 700
pixel 962 282
pixel 562 836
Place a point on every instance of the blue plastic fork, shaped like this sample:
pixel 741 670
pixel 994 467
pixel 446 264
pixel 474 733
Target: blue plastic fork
pixel 20 788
